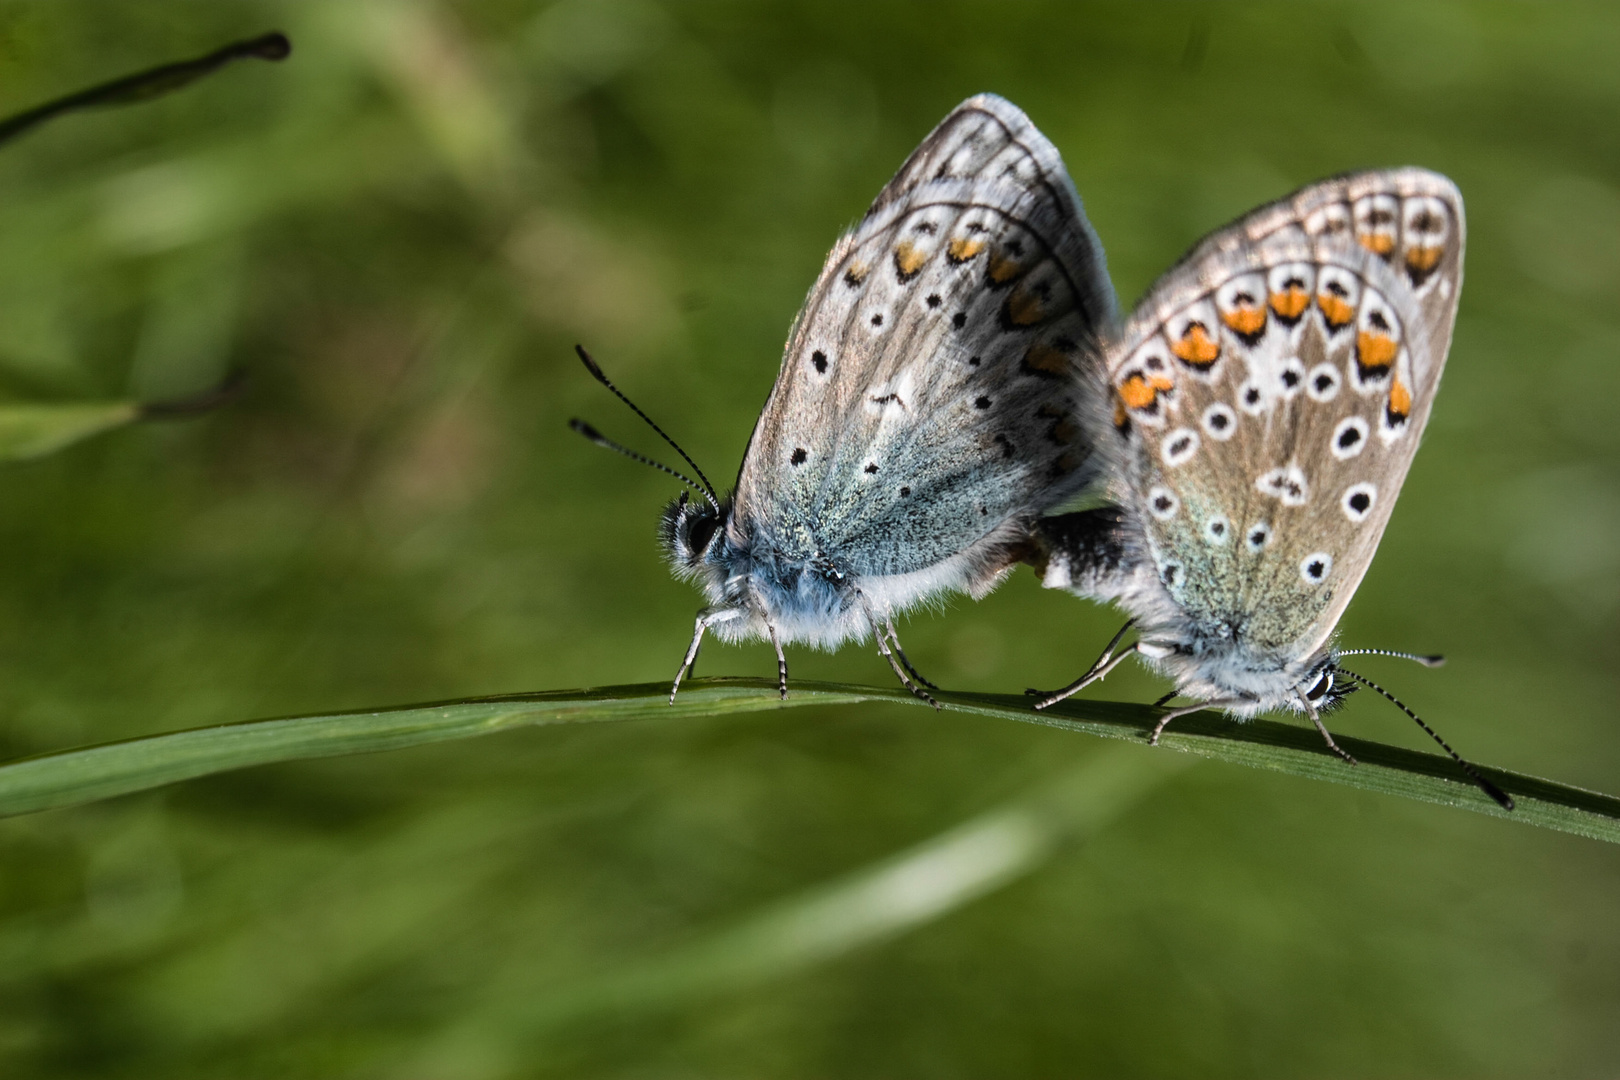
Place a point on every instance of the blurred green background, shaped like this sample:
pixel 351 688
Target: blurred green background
pixel 402 230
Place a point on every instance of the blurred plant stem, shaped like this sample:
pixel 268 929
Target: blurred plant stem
pixel 99 772
pixel 831 919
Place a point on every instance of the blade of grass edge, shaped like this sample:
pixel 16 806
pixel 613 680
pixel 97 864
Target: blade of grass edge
pixel 99 772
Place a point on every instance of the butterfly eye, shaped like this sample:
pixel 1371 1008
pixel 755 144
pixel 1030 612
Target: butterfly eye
pixel 1323 685
pixel 701 533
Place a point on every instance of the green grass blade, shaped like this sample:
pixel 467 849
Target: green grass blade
pixel 78 776
pixel 34 430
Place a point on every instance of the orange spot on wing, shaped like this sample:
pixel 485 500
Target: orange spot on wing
pixel 1121 420
pixel 1424 259
pixel 907 259
pixel 1196 347
pixel 1379 243
pixel 1047 360
pixel 1247 321
pixel 1137 393
pixel 1375 351
pixel 1290 303
pixel 1337 310
pixel 856 274
pixel 1400 400
pixel 1024 307
pixel 963 248
pixel 1002 268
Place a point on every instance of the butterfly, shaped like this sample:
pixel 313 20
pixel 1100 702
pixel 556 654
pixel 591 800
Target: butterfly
pixel 1267 398
pixel 927 410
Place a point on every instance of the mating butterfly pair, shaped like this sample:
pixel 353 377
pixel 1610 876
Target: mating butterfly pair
pixel 958 372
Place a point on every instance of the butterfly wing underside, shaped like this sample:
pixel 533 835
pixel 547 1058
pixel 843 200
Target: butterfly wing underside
pixel 929 390
pixel 1271 391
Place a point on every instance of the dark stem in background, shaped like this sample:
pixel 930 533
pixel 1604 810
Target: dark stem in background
pixel 145 85
pixel 197 404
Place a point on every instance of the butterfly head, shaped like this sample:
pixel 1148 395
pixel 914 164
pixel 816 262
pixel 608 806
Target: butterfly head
pixel 1322 688
pixel 693 536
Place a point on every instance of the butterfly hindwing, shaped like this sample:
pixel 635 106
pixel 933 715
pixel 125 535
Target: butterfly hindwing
pixel 930 387
pixel 1270 392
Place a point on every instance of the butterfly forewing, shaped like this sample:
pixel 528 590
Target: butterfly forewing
pixel 931 385
pixel 1271 390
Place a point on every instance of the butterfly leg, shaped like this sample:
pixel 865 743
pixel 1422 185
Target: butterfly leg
pixel 1188 710
pixel 894 639
pixel 1316 718
pixel 706 618
pixel 691 653
pixel 781 663
pixel 900 673
pixel 1107 662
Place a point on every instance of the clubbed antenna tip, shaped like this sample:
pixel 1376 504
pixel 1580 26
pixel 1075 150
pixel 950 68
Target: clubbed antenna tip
pixel 590 365
pixel 1429 661
pixel 272 46
pixel 1503 799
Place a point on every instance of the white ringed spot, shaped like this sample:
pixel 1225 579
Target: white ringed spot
pixel 1257 537
pixel 1251 397
pixel 1172 573
pixel 1286 484
pixel 1291 378
pixel 1349 438
pixel 1358 501
pixel 1218 529
pixel 1162 502
pixel 1220 422
pixel 1178 447
pixel 1322 382
pixel 1314 567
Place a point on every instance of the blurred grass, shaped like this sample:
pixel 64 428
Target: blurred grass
pixel 402 230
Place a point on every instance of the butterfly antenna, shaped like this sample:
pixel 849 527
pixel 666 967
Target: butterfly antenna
pixel 1426 661
pixel 144 85
pixel 603 441
pixel 1503 798
pixel 707 490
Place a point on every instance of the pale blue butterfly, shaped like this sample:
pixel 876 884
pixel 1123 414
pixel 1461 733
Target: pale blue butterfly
pixel 927 408
pixel 1268 396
